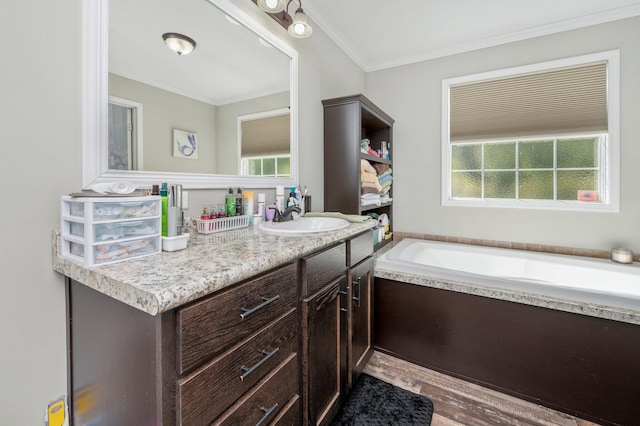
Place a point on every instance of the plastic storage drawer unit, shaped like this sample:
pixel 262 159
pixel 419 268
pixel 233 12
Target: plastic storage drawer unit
pixel 99 231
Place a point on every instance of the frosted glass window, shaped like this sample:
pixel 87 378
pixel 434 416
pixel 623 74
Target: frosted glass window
pixel 270 166
pixel 556 169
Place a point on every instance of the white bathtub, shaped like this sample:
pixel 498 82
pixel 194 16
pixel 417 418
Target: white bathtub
pixel 581 279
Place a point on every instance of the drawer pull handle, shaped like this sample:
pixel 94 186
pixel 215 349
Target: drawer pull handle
pixel 248 311
pixel 342 292
pixel 267 412
pixel 248 370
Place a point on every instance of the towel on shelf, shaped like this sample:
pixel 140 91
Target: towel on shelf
pixel 366 167
pixel 370 178
pixel 386 187
pixel 369 188
pixel 385 173
pixel 381 167
pixel 364 145
pixel 348 217
pixel 364 203
pixel 385 178
pixel 369 196
pixel 370 151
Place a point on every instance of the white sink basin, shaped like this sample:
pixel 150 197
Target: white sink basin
pixel 304 225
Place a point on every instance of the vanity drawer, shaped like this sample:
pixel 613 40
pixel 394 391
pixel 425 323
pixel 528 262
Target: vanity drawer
pixel 266 402
pixel 211 326
pixel 290 414
pixel 358 248
pixel 323 267
pixel 208 392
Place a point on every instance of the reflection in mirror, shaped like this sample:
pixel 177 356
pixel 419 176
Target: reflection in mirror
pixel 264 144
pixel 237 69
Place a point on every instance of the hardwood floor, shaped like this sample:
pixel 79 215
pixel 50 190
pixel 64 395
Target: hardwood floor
pixel 457 402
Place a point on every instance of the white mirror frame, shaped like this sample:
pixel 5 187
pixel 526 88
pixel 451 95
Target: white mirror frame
pixel 95 96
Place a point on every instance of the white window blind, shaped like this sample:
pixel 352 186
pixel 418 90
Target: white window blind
pixel 559 101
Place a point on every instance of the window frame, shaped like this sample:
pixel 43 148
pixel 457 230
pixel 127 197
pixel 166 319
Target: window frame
pixel 610 161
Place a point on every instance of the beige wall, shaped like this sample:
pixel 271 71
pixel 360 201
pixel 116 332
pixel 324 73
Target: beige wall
pixel 412 96
pixel 40 126
pixel 40 130
pixel 164 111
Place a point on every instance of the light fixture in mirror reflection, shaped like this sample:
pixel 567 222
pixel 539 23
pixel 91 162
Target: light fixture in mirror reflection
pixel 152 91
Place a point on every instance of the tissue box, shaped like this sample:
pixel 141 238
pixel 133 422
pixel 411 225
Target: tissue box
pixel 100 231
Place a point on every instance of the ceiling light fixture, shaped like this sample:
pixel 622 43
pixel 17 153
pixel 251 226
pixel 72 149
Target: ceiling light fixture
pixel 179 43
pixel 272 6
pixel 298 27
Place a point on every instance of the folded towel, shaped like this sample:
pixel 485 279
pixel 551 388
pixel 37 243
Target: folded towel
pixel 370 196
pixel 369 188
pixel 383 179
pixel 370 178
pixel 347 217
pixel 370 151
pixel 385 173
pixel 364 203
pixel 381 168
pixel 364 145
pixel 365 166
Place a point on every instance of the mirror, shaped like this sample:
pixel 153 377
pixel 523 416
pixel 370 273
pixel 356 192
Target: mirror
pixel 185 109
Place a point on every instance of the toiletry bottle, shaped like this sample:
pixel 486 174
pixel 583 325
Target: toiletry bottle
pixel 292 201
pixel 230 202
pixel 239 203
pixel 280 198
pixel 171 212
pixel 248 205
pixel 261 214
pixel 164 202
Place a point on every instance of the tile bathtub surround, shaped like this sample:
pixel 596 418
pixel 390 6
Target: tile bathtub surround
pixel 164 281
pixel 541 248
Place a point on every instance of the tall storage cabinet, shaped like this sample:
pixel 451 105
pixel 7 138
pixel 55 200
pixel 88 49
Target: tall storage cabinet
pixel 347 121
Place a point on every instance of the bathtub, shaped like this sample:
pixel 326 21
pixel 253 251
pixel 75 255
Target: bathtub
pixel 579 279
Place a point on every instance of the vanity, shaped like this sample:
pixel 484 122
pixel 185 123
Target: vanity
pixel 242 327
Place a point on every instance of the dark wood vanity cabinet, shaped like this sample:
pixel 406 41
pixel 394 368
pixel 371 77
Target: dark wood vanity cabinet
pixel 229 358
pixel 359 319
pixel 283 348
pixel 322 277
pixel 336 325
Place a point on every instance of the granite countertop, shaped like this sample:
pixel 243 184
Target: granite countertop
pixel 551 302
pixel 167 280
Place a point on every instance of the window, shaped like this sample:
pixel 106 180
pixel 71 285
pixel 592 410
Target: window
pixel 125 134
pixel 557 169
pixel 541 136
pixel 271 166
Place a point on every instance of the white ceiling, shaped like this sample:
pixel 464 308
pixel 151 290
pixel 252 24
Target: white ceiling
pixel 379 34
pixel 376 34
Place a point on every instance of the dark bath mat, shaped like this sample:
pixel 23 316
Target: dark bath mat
pixel 374 402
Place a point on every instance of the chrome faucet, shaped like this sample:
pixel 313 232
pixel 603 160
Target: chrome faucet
pixel 285 215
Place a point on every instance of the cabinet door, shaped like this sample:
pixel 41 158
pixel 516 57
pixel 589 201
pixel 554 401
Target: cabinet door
pixel 360 342
pixel 321 354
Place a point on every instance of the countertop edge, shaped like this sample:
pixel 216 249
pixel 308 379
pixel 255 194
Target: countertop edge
pixel 161 282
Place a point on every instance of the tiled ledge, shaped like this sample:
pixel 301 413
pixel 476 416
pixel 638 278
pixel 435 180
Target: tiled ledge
pixel 542 248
